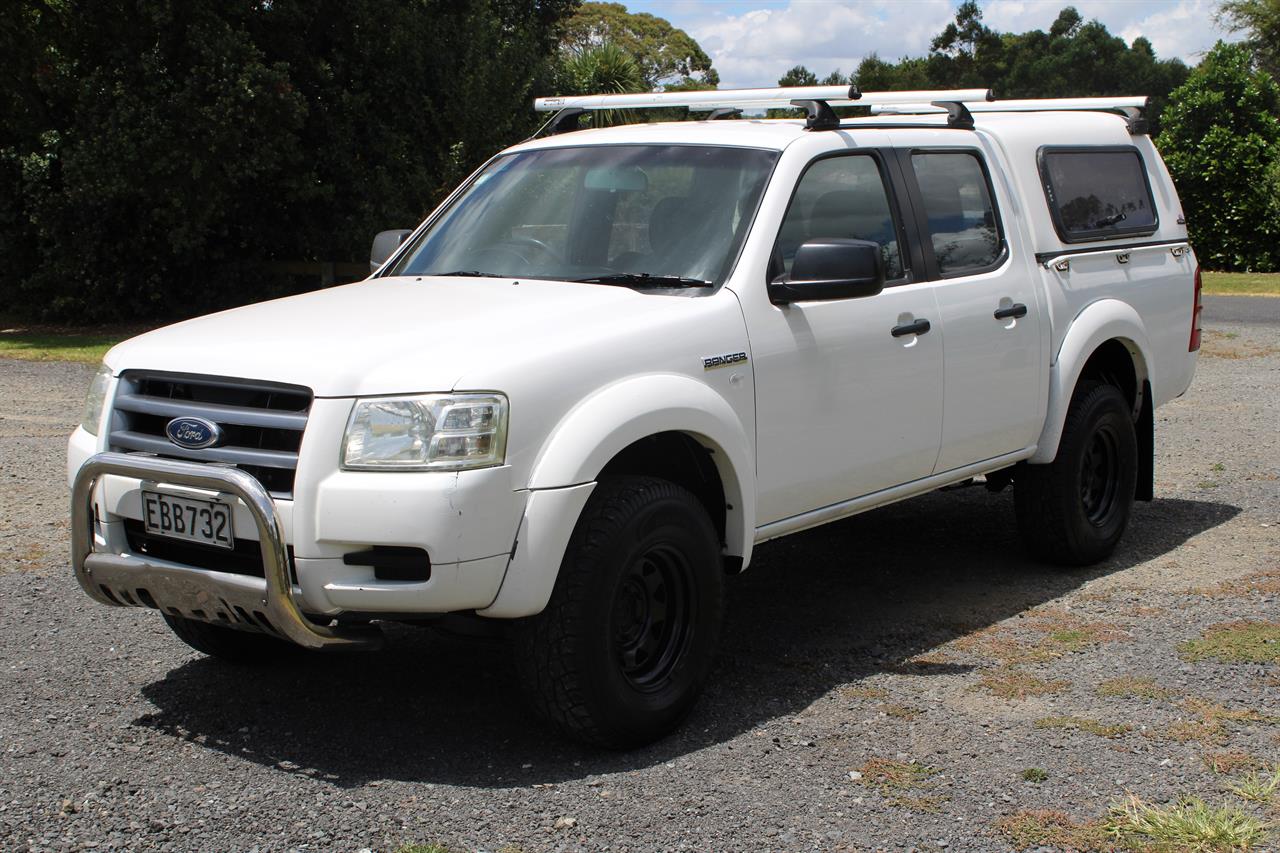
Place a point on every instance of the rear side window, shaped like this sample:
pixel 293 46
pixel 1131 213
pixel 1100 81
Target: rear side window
pixel 1097 193
pixel 957 206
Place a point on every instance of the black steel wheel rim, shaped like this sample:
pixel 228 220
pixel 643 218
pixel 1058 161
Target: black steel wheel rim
pixel 1100 476
pixel 652 617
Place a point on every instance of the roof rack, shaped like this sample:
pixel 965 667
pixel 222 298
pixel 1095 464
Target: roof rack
pixel 1133 108
pixel 816 100
pixel 958 104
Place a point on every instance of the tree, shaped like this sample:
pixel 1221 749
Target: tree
pixel 798 76
pixel 963 53
pixel 1261 19
pixel 163 153
pixel 665 54
pixel 876 75
pixel 1221 142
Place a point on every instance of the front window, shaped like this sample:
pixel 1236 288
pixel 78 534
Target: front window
pixel 619 213
pixel 842 196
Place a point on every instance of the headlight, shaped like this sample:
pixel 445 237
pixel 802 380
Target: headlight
pixel 95 400
pixel 427 432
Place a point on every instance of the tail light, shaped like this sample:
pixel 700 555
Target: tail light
pixel 1194 344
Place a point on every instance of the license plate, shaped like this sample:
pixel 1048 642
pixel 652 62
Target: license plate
pixel 206 522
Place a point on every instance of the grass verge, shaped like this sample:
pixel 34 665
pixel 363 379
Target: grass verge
pixel 44 342
pixel 87 347
pixel 1241 283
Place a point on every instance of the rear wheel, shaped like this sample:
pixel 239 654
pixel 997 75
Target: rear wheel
pixel 1074 510
pixel 621 652
pixel 227 643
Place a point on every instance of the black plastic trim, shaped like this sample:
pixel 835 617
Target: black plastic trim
pixel 393 562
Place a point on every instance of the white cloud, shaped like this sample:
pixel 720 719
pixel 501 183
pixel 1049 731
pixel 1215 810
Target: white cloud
pixel 1186 31
pixel 755 47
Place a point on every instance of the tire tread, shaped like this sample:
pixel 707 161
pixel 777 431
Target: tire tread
pixel 545 645
pixel 1042 514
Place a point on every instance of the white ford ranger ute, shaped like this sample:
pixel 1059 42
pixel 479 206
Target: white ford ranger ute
pixel 574 398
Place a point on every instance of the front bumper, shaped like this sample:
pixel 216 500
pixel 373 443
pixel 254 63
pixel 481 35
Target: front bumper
pixel 264 604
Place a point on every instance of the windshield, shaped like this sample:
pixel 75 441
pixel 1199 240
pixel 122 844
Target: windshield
pixel 669 215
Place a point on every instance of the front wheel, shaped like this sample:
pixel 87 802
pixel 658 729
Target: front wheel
pixel 621 652
pixel 1074 510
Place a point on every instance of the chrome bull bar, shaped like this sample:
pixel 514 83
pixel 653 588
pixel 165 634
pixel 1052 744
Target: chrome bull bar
pixel 262 604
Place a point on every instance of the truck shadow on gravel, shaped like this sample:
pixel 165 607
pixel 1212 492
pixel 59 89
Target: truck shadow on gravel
pixel 816 611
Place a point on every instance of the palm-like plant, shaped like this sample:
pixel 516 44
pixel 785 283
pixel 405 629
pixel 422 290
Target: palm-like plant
pixel 603 69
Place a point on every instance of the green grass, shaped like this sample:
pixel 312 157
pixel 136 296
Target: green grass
pixel 48 342
pixel 1261 788
pixel 1187 825
pixel 1083 724
pixel 50 346
pixel 1236 642
pixel 1050 828
pixel 1132 686
pixel 1241 283
pixel 1015 684
pixel 1035 774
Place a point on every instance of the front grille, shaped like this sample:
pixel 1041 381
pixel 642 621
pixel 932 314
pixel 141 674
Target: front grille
pixel 262 422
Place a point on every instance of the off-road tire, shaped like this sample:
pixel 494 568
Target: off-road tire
pixel 624 646
pixel 1073 511
pixel 227 643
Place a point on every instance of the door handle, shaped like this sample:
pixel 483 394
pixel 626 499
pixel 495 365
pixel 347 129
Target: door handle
pixel 919 327
pixel 1017 309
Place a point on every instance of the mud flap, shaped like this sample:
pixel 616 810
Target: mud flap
pixel 1145 488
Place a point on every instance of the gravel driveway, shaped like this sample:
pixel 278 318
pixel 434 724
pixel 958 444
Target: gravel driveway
pixel 885 681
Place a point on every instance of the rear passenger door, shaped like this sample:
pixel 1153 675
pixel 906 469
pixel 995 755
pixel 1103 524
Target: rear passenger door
pixel 986 303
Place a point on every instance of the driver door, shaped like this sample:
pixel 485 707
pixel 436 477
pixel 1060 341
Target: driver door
pixel 847 402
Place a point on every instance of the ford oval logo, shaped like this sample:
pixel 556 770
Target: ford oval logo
pixel 193 433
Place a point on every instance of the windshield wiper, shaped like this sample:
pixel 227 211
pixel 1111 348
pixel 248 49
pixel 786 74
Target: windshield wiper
pixel 1108 221
pixel 645 278
pixel 468 274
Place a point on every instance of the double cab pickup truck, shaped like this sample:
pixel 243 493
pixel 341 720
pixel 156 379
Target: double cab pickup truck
pixel 572 401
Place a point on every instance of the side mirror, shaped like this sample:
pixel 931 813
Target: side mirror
pixel 831 268
pixel 385 245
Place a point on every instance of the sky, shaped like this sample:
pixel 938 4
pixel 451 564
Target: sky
pixel 753 42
